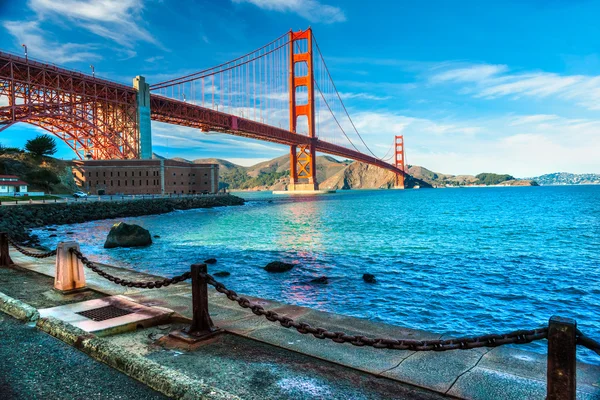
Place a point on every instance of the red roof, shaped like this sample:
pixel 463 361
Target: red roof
pixel 9 176
pixel 13 183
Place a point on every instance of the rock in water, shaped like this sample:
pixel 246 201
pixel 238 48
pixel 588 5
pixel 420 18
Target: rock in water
pixel 126 235
pixel 369 278
pixel 278 266
pixel 321 279
pixel 210 261
pixel 222 274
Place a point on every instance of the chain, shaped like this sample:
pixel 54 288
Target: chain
pixel 30 253
pixel 516 337
pixel 124 282
pixel 588 342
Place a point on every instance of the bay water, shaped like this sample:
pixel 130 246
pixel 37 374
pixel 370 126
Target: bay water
pixel 465 261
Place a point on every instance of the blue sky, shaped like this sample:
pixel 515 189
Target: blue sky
pixel 495 86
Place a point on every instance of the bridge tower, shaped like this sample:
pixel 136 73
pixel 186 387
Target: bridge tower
pixel 399 160
pixel 303 171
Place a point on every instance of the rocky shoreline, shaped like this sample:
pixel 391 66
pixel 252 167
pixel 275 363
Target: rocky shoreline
pixel 17 221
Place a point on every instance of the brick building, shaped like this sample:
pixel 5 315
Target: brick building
pixel 145 177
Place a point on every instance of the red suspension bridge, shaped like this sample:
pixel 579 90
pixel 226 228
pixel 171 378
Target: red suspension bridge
pixel 281 93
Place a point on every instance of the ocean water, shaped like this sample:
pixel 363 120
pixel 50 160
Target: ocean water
pixel 463 261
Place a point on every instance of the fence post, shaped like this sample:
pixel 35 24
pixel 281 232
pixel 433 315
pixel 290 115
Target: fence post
pixel 69 275
pixel 202 326
pixel 5 259
pixel 562 359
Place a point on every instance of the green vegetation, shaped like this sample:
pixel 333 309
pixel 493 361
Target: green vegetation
pixel 493 179
pixel 9 150
pixel 42 145
pixel 42 178
pixel 239 179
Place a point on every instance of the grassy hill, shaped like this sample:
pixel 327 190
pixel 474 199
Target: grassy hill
pixel 47 174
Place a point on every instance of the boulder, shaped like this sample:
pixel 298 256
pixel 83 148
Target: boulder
pixel 278 266
pixel 369 278
pixel 321 279
pixel 210 261
pixel 126 235
pixel 222 274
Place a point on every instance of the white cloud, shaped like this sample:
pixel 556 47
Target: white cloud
pixel 364 96
pixel 117 20
pixel 38 42
pixel 3 101
pixel 531 119
pixel 311 10
pixel 495 81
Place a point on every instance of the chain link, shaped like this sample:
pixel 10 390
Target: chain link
pixel 30 253
pixel 516 337
pixel 124 282
pixel 588 342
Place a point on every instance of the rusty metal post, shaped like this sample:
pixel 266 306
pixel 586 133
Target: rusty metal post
pixel 202 326
pixel 201 321
pixel 562 371
pixel 5 259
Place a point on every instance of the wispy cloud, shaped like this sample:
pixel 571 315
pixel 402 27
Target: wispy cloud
pixel 363 96
pixel 116 20
pixel 532 119
pixel 311 10
pixel 38 42
pixel 495 81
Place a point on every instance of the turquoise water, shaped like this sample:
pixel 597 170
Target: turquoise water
pixel 452 261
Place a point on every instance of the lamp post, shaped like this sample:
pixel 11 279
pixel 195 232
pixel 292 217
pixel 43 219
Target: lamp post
pixel 25 47
pixel 184 97
pixel 93 71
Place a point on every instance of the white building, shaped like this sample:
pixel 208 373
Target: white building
pixel 11 185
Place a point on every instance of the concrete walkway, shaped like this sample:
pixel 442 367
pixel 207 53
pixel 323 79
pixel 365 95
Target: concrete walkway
pixel 35 365
pixel 499 373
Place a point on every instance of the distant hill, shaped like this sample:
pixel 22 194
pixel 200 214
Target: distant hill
pixel 335 174
pixel 48 175
pixel 565 178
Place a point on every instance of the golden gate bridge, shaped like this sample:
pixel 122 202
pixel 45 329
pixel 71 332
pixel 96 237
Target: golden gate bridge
pixel 282 92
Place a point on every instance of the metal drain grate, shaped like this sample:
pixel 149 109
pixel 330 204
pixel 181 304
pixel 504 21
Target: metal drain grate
pixel 104 313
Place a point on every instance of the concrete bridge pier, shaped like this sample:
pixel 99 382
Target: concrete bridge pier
pixel 143 115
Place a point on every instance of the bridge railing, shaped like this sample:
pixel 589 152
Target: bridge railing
pixel 561 334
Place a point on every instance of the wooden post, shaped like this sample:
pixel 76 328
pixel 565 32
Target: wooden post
pixel 69 275
pixel 5 259
pixel 562 359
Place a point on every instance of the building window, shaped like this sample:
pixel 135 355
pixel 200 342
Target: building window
pixel 146 182
pixel 111 174
pixel 90 174
pixel 96 174
pixel 125 173
pixel 205 174
pixel 111 183
pixel 119 182
pixel 125 182
pixel 104 173
pixel 141 182
pixel 140 173
pixel 118 173
pixel 146 173
pixel 206 183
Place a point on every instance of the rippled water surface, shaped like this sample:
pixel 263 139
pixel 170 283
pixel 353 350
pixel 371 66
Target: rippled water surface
pixel 453 261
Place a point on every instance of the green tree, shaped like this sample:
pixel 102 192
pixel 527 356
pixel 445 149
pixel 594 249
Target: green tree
pixel 42 145
pixel 42 178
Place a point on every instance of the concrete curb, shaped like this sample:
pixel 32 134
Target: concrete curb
pixel 169 382
pixel 18 309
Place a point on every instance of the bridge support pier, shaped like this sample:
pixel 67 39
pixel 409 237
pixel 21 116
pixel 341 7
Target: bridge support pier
pixel 143 115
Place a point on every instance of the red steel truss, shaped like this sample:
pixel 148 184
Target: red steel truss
pixel 93 116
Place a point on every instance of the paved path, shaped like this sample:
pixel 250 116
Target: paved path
pixel 34 365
